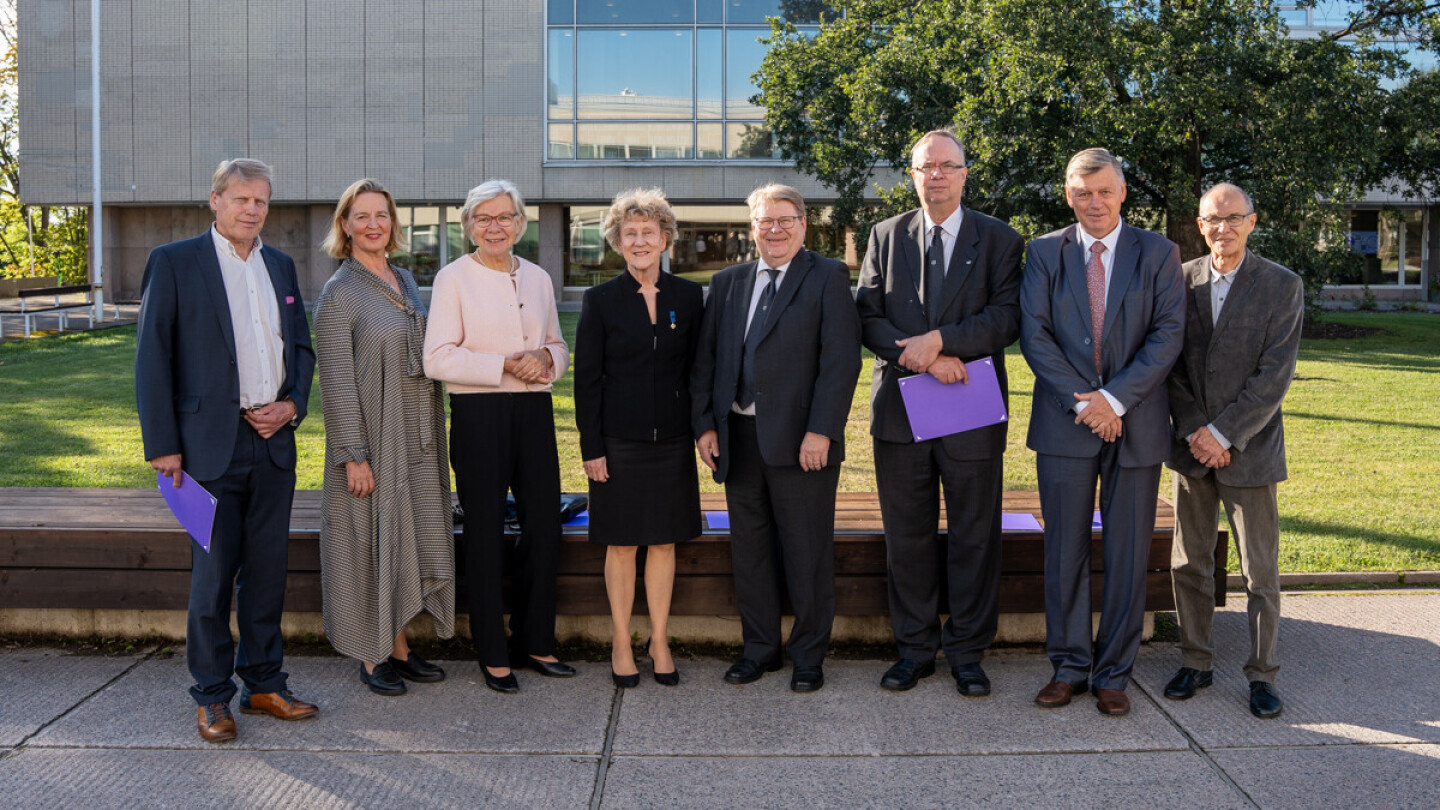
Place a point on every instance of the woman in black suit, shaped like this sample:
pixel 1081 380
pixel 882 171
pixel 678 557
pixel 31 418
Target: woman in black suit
pixel 634 347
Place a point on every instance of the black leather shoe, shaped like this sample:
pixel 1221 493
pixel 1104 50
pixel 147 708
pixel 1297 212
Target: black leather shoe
pixel 383 680
pixel 671 678
pixel 1264 700
pixel 905 673
pixel 417 669
pixel 747 671
pixel 970 680
pixel 807 679
pixel 550 669
pixel 507 684
pixel 626 681
pixel 1186 681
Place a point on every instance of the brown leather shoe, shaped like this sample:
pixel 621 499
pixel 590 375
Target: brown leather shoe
pixel 217 724
pixel 1057 694
pixel 1112 702
pixel 282 704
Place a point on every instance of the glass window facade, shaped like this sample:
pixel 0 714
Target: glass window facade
pixel 660 80
pixel 1392 243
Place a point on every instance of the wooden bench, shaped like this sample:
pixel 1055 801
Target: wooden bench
pixel 78 298
pixel 121 549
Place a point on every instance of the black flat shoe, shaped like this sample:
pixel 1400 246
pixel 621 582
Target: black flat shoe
pixel 748 671
pixel 807 679
pixel 905 673
pixel 550 669
pixel 383 680
pixel 415 668
pixel 1264 700
pixel 625 681
pixel 501 683
pixel 1186 681
pixel 970 680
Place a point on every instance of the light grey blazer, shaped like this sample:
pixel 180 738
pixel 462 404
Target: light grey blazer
pixel 1234 374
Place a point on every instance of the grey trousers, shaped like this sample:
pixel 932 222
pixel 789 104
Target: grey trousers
pixel 1255 522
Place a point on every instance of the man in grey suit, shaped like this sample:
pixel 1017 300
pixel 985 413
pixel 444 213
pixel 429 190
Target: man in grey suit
pixel 1242 336
pixel 222 377
pixel 940 286
pixel 774 373
pixel 1103 314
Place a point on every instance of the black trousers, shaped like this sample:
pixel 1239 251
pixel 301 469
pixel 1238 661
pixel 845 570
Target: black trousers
pixel 249 550
pixel 506 442
pixel 782 537
pixel 908 477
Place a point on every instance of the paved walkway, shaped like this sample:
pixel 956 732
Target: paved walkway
pixel 1361 729
pixel 12 324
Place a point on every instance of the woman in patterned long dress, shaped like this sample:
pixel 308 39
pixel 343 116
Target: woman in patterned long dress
pixel 387 545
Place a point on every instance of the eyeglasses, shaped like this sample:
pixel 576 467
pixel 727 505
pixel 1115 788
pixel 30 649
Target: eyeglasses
pixel 766 223
pixel 1234 220
pixel 483 221
pixel 946 169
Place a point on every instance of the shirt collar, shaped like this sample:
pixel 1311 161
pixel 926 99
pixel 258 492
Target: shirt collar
pixel 760 265
pixel 951 225
pixel 1216 275
pixel 1110 240
pixel 223 244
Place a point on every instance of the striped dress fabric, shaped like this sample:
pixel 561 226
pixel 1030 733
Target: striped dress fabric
pixel 386 558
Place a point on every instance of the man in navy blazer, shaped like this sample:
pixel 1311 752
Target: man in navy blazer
pixel 1103 316
pixel 940 287
pixel 222 376
pixel 774 373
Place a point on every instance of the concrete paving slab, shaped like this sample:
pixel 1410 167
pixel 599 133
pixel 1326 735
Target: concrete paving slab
pixel 40 684
pixel 1355 777
pixel 235 778
pixel 853 715
pixel 150 708
pixel 1139 780
pixel 1353 668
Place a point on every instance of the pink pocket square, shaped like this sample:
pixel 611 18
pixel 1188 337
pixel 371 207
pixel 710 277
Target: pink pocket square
pixel 289 299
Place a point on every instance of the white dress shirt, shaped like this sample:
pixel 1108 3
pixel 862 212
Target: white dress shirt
pixel 949 232
pixel 761 279
pixel 1107 258
pixel 255 315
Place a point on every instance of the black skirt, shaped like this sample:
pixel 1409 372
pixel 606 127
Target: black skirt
pixel 652 497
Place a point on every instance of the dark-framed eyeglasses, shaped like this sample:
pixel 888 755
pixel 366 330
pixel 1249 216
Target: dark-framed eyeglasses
pixel 483 221
pixel 766 223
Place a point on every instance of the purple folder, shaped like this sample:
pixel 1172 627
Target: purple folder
pixel 717 520
pixel 582 518
pixel 192 505
pixel 1018 522
pixel 936 409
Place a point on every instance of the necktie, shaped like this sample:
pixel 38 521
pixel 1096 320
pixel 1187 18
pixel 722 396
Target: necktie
pixel 1222 289
pixel 1095 280
pixel 752 339
pixel 934 276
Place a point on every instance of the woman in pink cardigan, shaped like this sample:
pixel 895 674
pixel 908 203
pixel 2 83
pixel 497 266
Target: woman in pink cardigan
pixel 494 340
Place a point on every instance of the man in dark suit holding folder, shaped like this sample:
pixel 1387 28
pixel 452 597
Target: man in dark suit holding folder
pixel 940 286
pixel 222 376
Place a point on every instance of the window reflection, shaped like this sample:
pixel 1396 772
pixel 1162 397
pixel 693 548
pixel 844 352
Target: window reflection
pixel 622 12
pixel 795 11
pixel 635 141
pixel 618 76
pixel 1392 244
pixel 745 53
pixel 560 78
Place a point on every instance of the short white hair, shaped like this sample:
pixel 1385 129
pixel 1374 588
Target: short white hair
pixel 487 191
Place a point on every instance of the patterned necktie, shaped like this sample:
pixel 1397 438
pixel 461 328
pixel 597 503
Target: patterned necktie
pixel 1095 280
pixel 752 339
pixel 934 276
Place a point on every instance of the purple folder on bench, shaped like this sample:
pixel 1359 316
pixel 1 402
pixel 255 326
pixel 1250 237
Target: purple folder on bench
pixel 936 409
pixel 717 520
pixel 192 505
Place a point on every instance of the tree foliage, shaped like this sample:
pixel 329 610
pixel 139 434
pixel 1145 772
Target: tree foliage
pixel 1187 92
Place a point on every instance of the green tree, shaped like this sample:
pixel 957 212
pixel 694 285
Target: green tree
pixel 1187 92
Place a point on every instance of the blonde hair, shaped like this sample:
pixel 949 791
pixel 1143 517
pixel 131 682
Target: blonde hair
pixel 776 192
pixel 1089 161
pixel 639 203
pixel 246 169
pixel 337 243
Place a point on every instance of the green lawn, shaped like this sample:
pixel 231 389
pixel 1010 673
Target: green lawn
pixel 1362 427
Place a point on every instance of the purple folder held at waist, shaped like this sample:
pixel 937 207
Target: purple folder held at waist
pixel 936 409
pixel 192 505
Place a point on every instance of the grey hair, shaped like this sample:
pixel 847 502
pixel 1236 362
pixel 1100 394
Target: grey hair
pixel 485 192
pixel 1089 161
pixel 246 169
pixel 1220 188
pixel 639 203
pixel 776 192
pixel 947 133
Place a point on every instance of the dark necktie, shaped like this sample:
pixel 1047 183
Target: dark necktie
pixel 1095 280
pixel 934 276
pixel 752 339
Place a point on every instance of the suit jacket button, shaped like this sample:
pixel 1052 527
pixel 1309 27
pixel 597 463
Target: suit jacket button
pixel 1087 341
